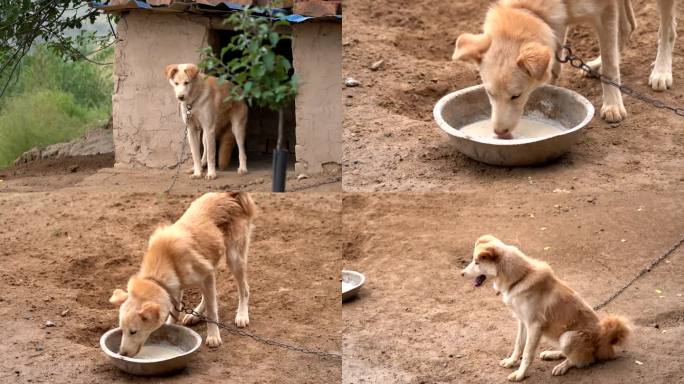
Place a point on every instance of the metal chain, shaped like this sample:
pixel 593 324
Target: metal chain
pixel 567 56
pixel 640 274
pixel 188 114
pixel 272 342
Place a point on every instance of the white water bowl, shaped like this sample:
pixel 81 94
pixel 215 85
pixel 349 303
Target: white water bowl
pixel 352 282
pixel 183 338
pixel 553 105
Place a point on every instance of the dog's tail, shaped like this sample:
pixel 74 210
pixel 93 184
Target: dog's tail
pixel 245 202
pixel 615 330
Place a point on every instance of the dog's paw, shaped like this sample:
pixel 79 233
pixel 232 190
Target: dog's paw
pixel 242 171
pixel 660 80
pixel 516 376
pixel 213 341
pixel 210 176
pixel 613 113
pixel 196 175
pixel 508 362
pixel 595 65
pixel 189 320
pixel 560 369
pixel 241 319
pixel 551 355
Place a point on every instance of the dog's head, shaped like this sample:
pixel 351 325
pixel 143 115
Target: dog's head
pixel 140 314
pixel 512 63
pixel 182 78
pixel 486 256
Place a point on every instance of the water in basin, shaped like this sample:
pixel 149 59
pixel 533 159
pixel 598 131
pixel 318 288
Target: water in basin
pixel 347 286
pixel 158 351
pixel 526 129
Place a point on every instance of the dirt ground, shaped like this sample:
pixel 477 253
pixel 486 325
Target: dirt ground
pixel 64 251
pixel 417 320
pixel 393 144
pixel 97 173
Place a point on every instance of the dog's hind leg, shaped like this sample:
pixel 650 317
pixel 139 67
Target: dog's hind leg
pixel 204 150
pixel 226 145
pixel 661 76
pixel 517 348
pixel 551 355
pixel 189 319
pixel 238 122
pixel 578 349
pixel 531 342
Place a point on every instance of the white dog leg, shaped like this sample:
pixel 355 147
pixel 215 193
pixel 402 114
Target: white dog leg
pixel 210 135
pixel 661 76
pixel 613 110
pixel 189 319
pixel 209 292
pixel 517 348
pixel 193 141
pixel 204 151
pixel 531 342
pixel 237 261
pixel 239 127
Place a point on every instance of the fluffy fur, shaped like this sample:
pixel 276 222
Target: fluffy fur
pixel 212 118
pixel 183 255
pixel 544 306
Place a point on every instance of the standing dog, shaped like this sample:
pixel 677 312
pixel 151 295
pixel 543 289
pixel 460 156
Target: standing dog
pixel 211 117
pixel 517 51
pixel 544 306
pixel 183 255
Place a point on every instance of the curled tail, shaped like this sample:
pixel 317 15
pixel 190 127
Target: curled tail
pixel 614 331
pixel 245 201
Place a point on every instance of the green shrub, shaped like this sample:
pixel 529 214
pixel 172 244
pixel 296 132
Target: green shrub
pixel 42 118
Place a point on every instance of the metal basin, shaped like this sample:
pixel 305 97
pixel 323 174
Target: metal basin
pixel 181 337
pixel 558 106
pixel 352 282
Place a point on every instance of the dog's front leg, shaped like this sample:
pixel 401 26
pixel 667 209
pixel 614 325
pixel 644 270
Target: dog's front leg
pixel 661 76
pixel 210 141
pixel 531 342
pixel 209 293
pixel 517 348
pixel 194 142
pixel 613 110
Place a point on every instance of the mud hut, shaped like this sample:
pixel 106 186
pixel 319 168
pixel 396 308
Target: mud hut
pixel 147 129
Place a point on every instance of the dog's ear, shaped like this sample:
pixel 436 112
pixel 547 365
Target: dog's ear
pixel 192 71
pixel 118 297
pixel 150 311
pixel 170 70
pixel 487 253
pixel 485 239
pixel 535 60
pixel 471 47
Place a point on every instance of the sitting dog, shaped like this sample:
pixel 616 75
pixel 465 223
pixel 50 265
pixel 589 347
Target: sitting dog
pixel 211 118
pixel 184 255
pixel 517 51
pixel 544 306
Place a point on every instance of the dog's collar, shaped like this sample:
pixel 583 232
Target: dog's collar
pixel 510 287
pixel 176 305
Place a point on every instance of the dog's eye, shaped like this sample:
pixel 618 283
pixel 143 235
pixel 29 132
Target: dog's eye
pixel 477 263
pixel 514 97
pixel 132 332
pixel 186 83
pixel 176 83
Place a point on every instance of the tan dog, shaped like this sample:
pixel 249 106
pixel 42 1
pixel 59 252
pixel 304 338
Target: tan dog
pixel 544 306
pixel 184 255
pixel 517 51
pixel 212 117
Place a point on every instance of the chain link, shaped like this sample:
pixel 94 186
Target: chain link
pixel 184 138
pixel 272 342
pixel 640 274
pixel 566 56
